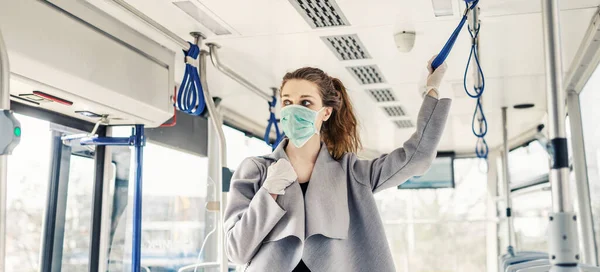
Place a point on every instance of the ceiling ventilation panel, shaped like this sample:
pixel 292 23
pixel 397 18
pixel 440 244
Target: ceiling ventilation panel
pixel 320 13
pixel 201 17
pixel 382 95
pixel 369 74
pixel 394 111
pixel 346 47
pixel 404 124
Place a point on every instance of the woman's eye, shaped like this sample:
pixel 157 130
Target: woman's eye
pixel 306 103
pixel 287 103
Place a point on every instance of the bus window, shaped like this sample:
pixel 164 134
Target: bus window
pixel 26 197
pixel 530 212
pixel 530 197
pixel 425 227
pixel 527 163
pixel 589 99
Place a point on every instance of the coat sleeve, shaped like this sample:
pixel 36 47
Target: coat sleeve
pixel 250 215
pixel 413 159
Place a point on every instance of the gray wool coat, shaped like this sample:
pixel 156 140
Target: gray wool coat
pixel 336 226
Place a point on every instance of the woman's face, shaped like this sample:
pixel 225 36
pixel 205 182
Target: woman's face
pixel 306 94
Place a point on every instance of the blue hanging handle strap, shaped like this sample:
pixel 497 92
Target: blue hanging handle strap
pixel 441 57
pixel 273 122
pixel 479 120
pixel 481 148
pixel 190 97
pixel 482 120
pixel 478 90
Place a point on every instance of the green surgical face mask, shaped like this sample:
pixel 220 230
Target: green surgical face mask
pixel 298 123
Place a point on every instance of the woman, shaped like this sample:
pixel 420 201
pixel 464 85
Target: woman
pixel 309 205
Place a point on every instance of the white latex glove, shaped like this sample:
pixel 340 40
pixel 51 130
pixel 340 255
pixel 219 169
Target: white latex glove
pixel 434 80
pixel 280 175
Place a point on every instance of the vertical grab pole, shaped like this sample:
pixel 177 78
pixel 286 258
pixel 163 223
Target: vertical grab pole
pixel 506 183
pixel 4 104
pixel 217 123
pixel 556 108
pixel 493 251
pixel 137 199
pixel 562 230
pixel 585 224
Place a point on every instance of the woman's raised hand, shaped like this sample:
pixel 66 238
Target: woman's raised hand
pixel 434 80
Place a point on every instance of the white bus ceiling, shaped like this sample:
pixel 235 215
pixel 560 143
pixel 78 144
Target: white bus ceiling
pixel 270 37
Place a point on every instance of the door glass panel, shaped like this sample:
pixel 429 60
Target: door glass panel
pixel 175 223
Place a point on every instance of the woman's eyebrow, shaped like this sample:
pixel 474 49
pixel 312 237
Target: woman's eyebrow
pixel 302 96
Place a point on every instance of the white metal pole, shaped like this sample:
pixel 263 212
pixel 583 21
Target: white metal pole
pixel 214 56
pixel 217 123
pixel 583 203
pixel 492 213
pixel 212 213
pixel 506 182
pixel 562 230
pixel 556 108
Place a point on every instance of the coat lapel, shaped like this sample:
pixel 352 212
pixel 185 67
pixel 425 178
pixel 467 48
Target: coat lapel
pixel 325 204
pixel 326 201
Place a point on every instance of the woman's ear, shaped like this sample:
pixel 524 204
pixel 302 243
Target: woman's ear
pixel 328 111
